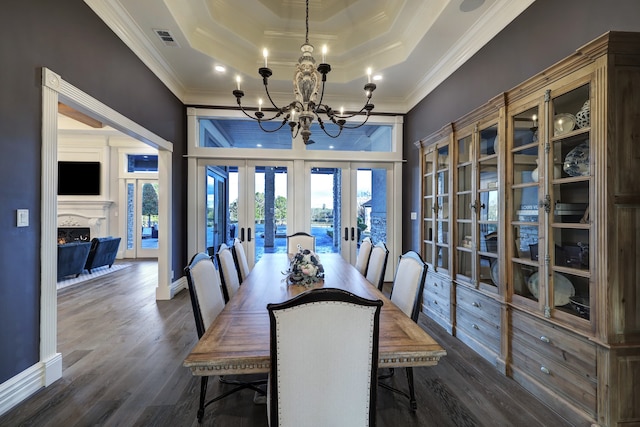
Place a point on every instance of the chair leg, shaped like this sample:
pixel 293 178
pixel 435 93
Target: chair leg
pixel 203 393
pixel 412 392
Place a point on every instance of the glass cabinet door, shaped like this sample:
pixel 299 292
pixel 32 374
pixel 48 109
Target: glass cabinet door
pixel 428 206
pixel 525 216
pixel 442 209
pixel 569 229
pixel 476 212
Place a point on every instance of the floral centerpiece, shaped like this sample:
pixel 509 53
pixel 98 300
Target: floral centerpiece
pixel 304 268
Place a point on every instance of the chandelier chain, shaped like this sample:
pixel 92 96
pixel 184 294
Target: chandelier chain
pixel 306 38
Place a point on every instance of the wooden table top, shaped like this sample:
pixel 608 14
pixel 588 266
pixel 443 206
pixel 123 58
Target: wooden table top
pixel 238 341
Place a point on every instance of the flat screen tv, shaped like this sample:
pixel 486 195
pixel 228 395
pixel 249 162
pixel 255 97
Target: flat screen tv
pixel 79 178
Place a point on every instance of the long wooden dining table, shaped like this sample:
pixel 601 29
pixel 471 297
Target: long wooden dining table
pixel 238 340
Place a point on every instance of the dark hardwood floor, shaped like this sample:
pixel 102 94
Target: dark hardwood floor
pixel 122 366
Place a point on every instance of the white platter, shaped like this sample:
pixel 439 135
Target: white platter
pixel 563 288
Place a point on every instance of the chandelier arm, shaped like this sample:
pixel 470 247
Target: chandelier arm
pixel 284 122
pixel 321 123
pixel 266 89
pixel 357 126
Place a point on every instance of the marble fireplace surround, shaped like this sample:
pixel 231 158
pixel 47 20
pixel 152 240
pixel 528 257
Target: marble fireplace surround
pixel 91 214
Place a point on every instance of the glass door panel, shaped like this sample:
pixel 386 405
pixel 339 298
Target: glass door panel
pixel 216 211
pixel 142 218
pixel 270 210
pixel 325 200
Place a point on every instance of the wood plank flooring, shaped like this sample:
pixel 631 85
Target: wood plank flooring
pixel 122 366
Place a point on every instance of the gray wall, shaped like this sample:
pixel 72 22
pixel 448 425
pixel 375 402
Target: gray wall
pixel 67 37
pixel 548 31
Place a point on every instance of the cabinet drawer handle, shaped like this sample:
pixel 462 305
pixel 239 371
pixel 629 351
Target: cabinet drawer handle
pixel 474 326
pixel 475 304
pixel 545 370
pixel 545 339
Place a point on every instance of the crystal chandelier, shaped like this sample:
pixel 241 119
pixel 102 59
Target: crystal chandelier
pixel 308 81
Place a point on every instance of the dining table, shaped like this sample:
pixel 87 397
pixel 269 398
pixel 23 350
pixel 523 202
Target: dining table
pixel 238 340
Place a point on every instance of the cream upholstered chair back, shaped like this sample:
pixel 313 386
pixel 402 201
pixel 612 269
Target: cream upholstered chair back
pixel 204 289
pixel 228 272
pixel 377 265
pixel 324 359
pixel 409 284
pixel 305 240
pixel 240 259
pixel 362 260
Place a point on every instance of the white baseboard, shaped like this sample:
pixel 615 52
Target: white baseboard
pixel 27 382
pixel 178 285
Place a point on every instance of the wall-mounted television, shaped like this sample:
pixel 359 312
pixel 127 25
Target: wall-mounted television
pixel 78 178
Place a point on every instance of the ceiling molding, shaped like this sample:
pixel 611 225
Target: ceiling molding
pixel 478 35
pixel 116 18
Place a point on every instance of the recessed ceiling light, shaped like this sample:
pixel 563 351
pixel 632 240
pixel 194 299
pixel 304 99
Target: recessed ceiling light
pixel 377 77
pixel 220 68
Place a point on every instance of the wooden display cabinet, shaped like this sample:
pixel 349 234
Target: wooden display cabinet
pixel 561 312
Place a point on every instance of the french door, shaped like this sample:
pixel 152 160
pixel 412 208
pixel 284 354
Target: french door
pixel 348 202
pixel 244 199
pixel 142 218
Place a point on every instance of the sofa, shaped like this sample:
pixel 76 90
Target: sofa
pixel 72 258
pixel 103 252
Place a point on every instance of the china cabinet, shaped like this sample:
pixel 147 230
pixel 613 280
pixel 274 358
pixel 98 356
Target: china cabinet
pixel 544 268
pixel 436 209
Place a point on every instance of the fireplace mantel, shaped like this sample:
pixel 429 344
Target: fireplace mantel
pixel 85 213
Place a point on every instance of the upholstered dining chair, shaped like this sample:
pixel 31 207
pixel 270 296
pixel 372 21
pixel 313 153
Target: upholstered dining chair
pixel 207 303
pixel 240 259
pixel 406 293
pixel 228 272
pixel 324 357
pixel 305 240
pixel 362 260
pixel 377 265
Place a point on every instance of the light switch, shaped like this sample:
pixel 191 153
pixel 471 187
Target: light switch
pixel 414 215
pixel 23 217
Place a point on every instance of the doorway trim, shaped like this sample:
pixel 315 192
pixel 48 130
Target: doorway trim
pixel 55 89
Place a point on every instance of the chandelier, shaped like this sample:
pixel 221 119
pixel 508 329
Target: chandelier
pixel 308 82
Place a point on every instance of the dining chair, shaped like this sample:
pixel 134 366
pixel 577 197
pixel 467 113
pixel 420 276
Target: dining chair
pixel 324 358
pixel 305 240
pixel 406 294
pixel 207 303
pixel 240 259
pixel 362 260
pixel 228 272
pixel 377 265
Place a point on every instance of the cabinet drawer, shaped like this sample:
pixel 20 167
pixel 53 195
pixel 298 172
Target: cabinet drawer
pixel 437 295
pixel 553 342
pixel 477 305
pixel 478 319
pixel 561 361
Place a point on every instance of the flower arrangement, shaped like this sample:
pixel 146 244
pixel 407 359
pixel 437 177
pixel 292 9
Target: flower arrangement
pixel 304 268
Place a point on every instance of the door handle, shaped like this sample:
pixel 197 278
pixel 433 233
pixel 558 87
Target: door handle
pixel 346 234
pixel 249 234
pixel 242 234
pixel 353 233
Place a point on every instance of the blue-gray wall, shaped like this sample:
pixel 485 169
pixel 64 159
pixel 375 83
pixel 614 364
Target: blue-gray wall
pixel 67 37
pixel 545 33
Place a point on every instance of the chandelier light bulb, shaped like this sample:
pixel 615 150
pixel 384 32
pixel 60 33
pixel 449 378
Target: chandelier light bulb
pixel 265 53
pixel 369 74
pixel 238 80
pixel 259 104
pixel 342 111
pixel 324 53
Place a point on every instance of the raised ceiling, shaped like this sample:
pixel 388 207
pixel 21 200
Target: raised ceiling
pixel 413 44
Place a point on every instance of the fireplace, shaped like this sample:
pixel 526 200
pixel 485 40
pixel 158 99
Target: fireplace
pixel 73 234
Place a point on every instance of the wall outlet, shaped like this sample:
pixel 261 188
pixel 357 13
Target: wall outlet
pixel 414 215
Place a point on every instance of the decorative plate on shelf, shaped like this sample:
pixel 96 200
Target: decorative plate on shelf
pixel 562 292
pixel 563 123
pixel 576 163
